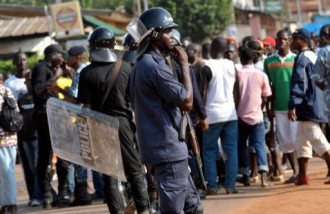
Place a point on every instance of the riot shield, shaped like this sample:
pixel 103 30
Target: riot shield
pixel 85 137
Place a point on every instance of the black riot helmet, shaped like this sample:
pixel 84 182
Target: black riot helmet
pixel 148 27
pixel 101 44
pixel 129 42
pixel 158 19
pixel 130 47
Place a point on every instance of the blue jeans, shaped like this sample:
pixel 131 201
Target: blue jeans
pixel 98 184
pixel 70 179
pixel 228 133
pixel 7 175
pixel 256 136
pixel 177 192
pixel 31 152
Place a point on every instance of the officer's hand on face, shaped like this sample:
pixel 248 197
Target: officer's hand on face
pixel 180 55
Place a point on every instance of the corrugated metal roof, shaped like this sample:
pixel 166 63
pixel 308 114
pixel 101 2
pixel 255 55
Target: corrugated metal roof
pixel 16 27
pixel 99 23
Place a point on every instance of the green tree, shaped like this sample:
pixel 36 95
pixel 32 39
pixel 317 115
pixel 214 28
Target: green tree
pixel 198 19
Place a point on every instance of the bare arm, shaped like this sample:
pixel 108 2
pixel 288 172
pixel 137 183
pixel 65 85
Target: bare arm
pixel 206 74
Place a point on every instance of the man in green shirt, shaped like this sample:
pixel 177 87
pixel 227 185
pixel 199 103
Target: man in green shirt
pixel 278 68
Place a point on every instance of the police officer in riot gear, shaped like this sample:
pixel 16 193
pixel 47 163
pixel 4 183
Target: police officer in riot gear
pixel 130 49
pixel 158 99
pixel 102 43
pixel 117 104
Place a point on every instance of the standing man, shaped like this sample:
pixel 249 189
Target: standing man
pixel 157 99
pixel 77 56
pixel 18 88
pixel 278 68
pixel 306 105
pixel 322 69
pixel 44 75
pixel 253 91
pixel 218 79
pixel 92 87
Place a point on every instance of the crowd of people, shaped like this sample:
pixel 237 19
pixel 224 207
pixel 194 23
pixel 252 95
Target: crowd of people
pixel 256 105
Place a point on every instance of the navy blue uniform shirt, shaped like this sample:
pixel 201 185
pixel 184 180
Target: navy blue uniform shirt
pixel 156 96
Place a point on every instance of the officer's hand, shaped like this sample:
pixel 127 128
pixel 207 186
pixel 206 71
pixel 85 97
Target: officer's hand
pixel 180 56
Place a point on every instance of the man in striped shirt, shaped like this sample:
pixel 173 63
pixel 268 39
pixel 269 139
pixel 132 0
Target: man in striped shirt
pixel 278 68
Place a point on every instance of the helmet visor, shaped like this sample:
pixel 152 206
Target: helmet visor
pixel 137 29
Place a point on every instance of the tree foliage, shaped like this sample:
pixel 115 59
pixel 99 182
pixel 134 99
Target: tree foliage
pixel 199 19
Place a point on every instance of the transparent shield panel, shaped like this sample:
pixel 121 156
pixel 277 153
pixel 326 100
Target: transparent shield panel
pixel 137 29
pixel 85 137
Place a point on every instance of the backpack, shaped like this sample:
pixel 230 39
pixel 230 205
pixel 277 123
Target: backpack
pixel 10 119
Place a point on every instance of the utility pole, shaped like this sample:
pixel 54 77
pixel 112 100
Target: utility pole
pixel 319 6
pixel 145 5
pixel 136 7
pixel 299 12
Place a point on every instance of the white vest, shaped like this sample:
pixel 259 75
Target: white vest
pixel 220 105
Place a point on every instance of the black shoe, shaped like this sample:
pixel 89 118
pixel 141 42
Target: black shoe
pixel 63 201
pixel 96 197
pixel 80 202
pixel 3 210
pixel 12 209
pixel 245 180
pixel 47 204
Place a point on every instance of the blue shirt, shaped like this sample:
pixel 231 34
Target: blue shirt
pixel 75 81
pixel 156 96
pixel 322 73
pixel 305 96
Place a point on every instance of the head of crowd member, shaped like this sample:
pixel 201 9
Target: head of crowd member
pixel 283 42
pixel 206 49
pixel 159 23
pixel 130 49
pixel 231 52
pixel 102 45
pixel 231 40
pixel 54 55
pixel 218 47
pixel 77 56
pixel 20 62
pixel 247 39
pixel 300 39
pixel 313 45
pixel 269 45
pixel 325 35
pixel 257 48
pixel 186 41
pixel 246 56
pixel 194 52
pixel 1 79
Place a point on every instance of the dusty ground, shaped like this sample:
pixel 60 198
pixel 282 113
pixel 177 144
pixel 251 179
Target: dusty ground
pixel 312 198
pixel 277 199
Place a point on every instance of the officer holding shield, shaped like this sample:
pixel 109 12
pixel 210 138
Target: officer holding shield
pixel 93 84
